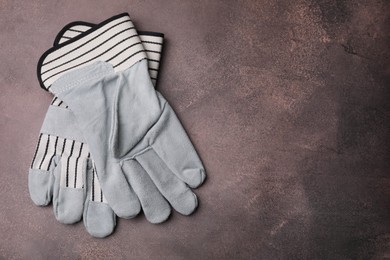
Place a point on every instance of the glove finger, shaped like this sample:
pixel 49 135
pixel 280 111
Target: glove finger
pixel 40 177
pixel 155 207
pixel 119 193
pixel 40 186
pixel 69 192
pixel 99 218
pixel 175 148
pixel 182 199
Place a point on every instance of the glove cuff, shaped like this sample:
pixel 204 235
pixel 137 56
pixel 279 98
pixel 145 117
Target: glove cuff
pixel 151 41
pixel 115 41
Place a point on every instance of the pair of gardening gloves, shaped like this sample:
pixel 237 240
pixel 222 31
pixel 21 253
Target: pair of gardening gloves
pixel 110 144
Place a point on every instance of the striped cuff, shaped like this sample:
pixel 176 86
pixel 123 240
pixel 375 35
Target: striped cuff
pixel 151 41
pixel 114 41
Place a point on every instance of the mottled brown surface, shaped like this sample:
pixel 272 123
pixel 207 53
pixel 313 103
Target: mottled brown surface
pixel 287 103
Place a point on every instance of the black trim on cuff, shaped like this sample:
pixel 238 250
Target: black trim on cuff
pixel 151 33
pixel 68 26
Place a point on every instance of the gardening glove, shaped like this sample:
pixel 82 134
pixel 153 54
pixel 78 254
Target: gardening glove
pixel 131 131
pixel 61 168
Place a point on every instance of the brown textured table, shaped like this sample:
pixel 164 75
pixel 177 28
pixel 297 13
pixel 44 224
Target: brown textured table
pixel 287 103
